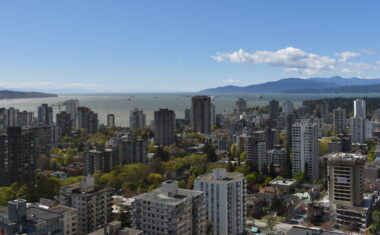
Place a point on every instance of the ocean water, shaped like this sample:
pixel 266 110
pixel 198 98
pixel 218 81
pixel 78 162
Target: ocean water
pixel 121 104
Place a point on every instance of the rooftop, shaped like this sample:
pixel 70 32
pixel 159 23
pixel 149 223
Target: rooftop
pixel 220 175
pixel 169 193
pixel 298 230
pixel 285 182
pixel 61 209
pixel 346 157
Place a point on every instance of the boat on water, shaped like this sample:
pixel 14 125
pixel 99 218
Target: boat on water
pixel 257 97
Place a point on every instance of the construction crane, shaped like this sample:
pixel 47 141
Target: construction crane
pixel 59 105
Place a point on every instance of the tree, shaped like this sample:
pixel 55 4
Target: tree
pixel 209 150
pixel 161 154
pixel 323 146
pixel 371 154
pixel 299 177
pixel 270 222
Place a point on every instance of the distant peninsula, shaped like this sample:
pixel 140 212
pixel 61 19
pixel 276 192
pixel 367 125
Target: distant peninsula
pixel 7 94
pixel 299 85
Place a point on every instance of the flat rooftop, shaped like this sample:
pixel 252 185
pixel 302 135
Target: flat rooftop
pixel 158 195
pixel 61 209
pixel 230 176
pixel 346 157
pixel 285 182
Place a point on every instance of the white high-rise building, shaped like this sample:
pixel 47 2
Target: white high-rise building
pixel 359 108
pixel 305 149
pixel 225 197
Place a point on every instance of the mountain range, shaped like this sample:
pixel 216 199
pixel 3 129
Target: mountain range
pixel 311 85
pixel 7 94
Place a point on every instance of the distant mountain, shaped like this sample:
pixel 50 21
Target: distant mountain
pixel 298 85
pixel 7 94
pixel 279 86
pixel 374 88
pixel 348 81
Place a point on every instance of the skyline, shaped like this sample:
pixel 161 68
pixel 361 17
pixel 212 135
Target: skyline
pixel 131 46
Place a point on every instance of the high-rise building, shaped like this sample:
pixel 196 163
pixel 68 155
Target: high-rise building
pixel 349 205
pixel 72 109
pixel 360 108
pixel 225 199
pixel 188 116
pixel 276 156
pixel 324 108
pixel 346 178
pixel 93 204
pixel 45 114
pixel 287 108
pixel 240 105
pixel 64 123
pixel 170 210
pixel 132 149
pixel 100 158
pixel 289 126
pixel 25 119
pixel 340 117
pixel 17 156
pixel 12 117
pixel 305 149
pixel 357 128
pixel 110 120
pixel 201 114
pixel 368 129
pixel 43 137
pixel 274 108
pixel 137 119
pixel 88 120
pixel 164 125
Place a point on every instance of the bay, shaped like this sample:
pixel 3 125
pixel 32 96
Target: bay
pixel 121 104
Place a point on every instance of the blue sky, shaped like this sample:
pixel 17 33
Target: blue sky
pixel 172 45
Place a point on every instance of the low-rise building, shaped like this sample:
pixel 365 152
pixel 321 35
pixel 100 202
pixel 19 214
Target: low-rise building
pixel 20 219
pixel 286 185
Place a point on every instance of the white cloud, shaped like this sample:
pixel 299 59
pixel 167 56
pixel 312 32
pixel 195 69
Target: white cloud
pixel 290 58
pixel 345 55
pixel 231 81
pixel 367 51
pixel 295 60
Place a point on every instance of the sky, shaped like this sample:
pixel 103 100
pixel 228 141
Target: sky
pixel 173 45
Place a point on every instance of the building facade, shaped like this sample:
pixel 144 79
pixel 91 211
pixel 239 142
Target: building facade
pixel 225 199
pixel 164 126
pixel 137 119
pixel 201 114
pixel 305 149
pixel 339 119
pixel 92 202
pixel 170 210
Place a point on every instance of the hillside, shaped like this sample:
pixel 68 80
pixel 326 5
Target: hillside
pixel 311 85
pixel 6 94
